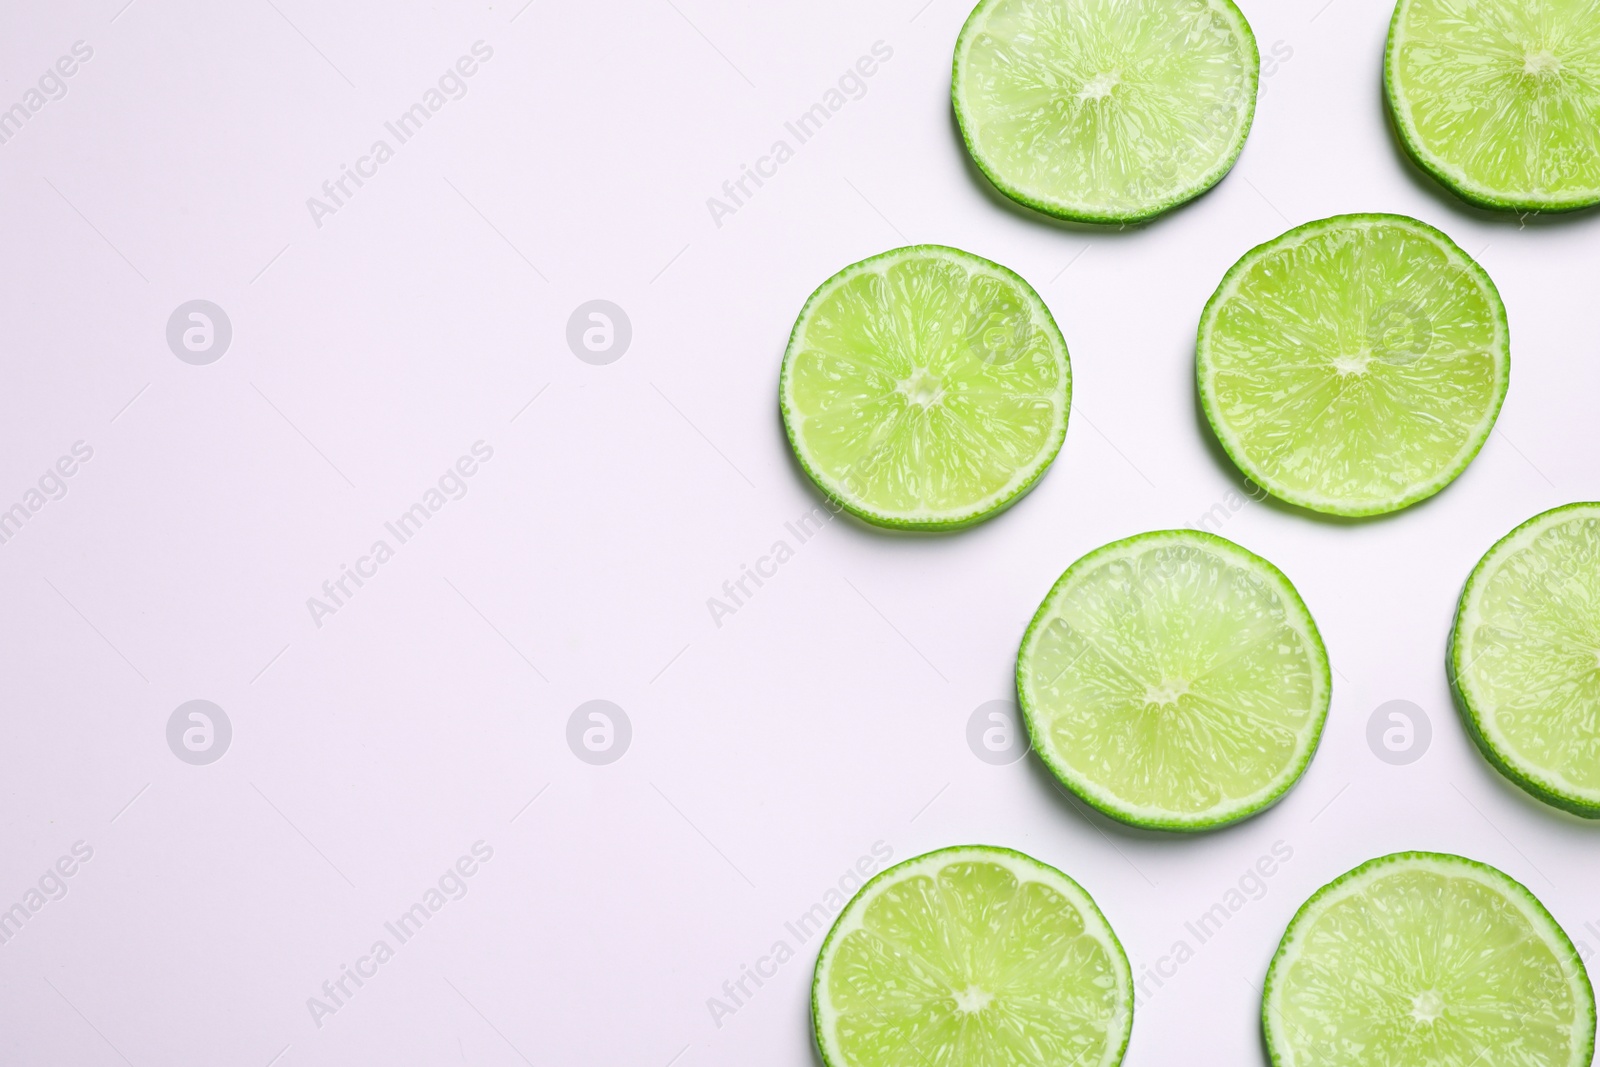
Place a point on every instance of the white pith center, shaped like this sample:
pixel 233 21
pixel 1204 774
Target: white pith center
pixel 1099 87
pixel 1540 63
pixel 1353 364
pixel 922 388
pixel 971 1000
pixel 1427 1006
pixel 1167 692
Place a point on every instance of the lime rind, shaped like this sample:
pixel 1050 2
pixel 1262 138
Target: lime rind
pixel 1023 480
pixel 1181 194
pixel 1351 881
pixel 1452 176
pixel 1329 505
pixel 1535 780
pixel 1158 819
pixel 1025 868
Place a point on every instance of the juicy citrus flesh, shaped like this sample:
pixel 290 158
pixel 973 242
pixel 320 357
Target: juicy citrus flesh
pixel 1354 365
pixel 1105 110
pixel 1174 680
pixel 1526 656
pixel 1427 960
pixel 926 387
pixel 1501 98
pixel 970 957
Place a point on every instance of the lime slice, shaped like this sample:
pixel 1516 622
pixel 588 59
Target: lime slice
pixel 972 957
pixel 925 388
pixel 1105 110
pixel 1525 656
pixel 1426 960
pixel 1354 365
pixel 1174 680
pixel 1500 99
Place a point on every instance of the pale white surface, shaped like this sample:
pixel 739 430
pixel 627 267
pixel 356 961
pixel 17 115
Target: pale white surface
pixel 791 738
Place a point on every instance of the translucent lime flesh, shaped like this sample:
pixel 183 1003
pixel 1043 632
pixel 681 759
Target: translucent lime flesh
pixel 926 387
pixel 1174 680
pixel 1526 654
pixel 1354 365
pixel 971 957
pixel 1501 98
pixel 1105 109
pixel 1422 959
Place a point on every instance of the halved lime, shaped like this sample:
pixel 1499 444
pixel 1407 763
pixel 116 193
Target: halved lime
pixel 1105 110
pixel 1525 657
pixel 972 956
pixel 1422 959
pixel 1500 99
pixel 1354 365
pixel 1174 681
pixel 925 388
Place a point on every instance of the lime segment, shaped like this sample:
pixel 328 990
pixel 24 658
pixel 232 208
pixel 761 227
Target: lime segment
pixel 1421 958
pixel 1354 365
pixel 925 388
pixel 1105 110
pixel 971 957
pixel 1525 656
pixel 1500 99
pixel 1174 680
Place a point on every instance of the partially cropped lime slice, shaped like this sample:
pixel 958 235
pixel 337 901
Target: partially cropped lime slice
pixel 1500 99
pixel 1426 960
pixel 925 388
pixel 1174 680
pixel 1354 365
pixel 1525 656
pixel 1105 110
pixel 972 957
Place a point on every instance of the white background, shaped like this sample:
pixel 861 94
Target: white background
pixel 768 754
